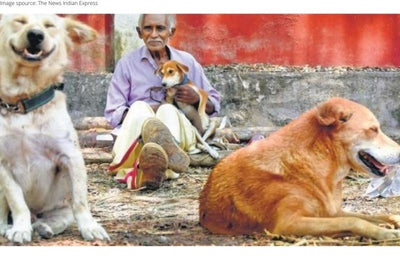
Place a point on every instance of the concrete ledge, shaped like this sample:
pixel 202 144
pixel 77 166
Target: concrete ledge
pixel 265 98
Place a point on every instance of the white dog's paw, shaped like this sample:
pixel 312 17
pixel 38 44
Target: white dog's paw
pixel 43 229
pixel 94 231
pixel 4 228
pixel 18 234
pixel 388 234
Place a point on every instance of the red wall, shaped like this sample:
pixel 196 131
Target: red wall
pixel 295 39
pixel 327 40
pixel 96 56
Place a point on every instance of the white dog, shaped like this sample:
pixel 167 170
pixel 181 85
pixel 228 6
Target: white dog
pixel 42 172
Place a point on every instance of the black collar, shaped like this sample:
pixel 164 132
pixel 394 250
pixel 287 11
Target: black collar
pixel 26 105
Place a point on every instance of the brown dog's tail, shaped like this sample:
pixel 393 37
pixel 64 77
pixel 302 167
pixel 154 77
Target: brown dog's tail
pixel 203 95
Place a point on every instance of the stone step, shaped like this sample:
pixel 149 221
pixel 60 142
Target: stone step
pixel 87 123
pixel 94 137
pixel 96 155
pixel 97 149
pixel 99 155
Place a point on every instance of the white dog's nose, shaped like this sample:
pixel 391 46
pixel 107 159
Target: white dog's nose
pixel 35 37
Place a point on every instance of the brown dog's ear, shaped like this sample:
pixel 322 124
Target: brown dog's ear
pixel 182 67
pixel 78 32
pixel 333 113
pixel 158 69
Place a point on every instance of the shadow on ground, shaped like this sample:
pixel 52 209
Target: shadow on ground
pixel 168 216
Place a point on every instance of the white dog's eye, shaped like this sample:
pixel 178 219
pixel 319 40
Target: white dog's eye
pixel 20 21
pixel 49 25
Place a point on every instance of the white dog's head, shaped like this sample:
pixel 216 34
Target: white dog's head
pixel 37 45
pixel 358 132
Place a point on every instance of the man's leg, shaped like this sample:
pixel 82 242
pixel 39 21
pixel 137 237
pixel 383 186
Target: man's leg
pixel 140 120
pixel 155 131
pixel 131 129
pixel 179 126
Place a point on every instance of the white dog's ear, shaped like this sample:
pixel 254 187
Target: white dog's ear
pixel 79 32
pixel 332 114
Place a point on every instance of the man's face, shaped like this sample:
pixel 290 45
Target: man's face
pixel 154 31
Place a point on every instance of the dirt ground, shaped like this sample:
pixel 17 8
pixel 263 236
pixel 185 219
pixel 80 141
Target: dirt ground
pixel 168 216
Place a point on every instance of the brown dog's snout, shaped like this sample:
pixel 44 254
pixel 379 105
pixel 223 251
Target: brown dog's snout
pixel 35 37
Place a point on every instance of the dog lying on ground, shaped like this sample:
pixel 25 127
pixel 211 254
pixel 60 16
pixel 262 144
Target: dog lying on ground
pixel 291 182
pixel 42 172
pixel 174 74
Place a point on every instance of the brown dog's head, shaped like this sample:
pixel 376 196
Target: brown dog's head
pixel 40 40
pixel 172 73
pixel 356 129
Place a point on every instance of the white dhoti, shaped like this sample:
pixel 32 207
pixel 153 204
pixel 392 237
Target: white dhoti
pixel 125 151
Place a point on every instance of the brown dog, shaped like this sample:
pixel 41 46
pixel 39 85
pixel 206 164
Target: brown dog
pixel 291 182
pixel 174 74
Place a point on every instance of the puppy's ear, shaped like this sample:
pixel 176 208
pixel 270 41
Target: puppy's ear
pixel 158 69
pixel 182 67
pixel 78 32
pixel 333 114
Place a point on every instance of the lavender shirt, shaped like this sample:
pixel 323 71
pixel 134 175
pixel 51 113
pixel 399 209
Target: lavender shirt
pixel 134 76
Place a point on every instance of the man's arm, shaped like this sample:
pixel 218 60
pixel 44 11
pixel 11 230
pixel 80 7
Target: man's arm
pixel 117 97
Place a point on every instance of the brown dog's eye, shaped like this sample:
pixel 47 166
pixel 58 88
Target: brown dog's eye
pixel 344 119
pixel 170 71
pixel 374 129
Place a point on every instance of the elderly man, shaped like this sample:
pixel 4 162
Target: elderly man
pixel 152 139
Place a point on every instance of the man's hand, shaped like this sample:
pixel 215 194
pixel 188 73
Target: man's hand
pixel 186 94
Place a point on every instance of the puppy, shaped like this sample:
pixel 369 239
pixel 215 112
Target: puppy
pixel 174 74
pixel 291 182
pixel 42 172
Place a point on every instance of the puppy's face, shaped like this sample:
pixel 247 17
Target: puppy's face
pixel 355 127
pixel 172 73
pixel 33 40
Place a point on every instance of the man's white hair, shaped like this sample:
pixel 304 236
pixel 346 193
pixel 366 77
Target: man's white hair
pixel 171 21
